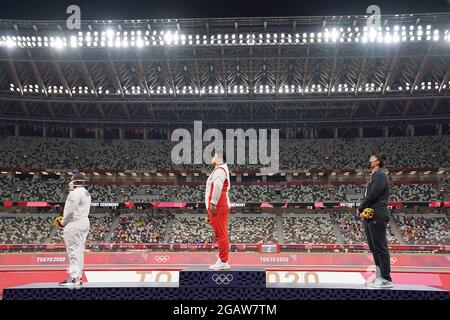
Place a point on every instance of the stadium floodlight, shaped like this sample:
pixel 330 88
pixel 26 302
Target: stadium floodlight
pixel 388 38
pixel 58 43
pixel 10 43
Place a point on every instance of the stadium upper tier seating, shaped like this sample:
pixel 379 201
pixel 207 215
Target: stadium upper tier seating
pixel 55 190
pixel 59 153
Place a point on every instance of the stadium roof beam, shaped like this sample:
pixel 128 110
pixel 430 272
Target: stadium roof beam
pixel 88 78
pixel 16 79
pixel 196 71
pixel 37 74
pixel 355 107
pixel 100 110
pixel 244 23
pixel 62 78
pixel 150 110
pixel 406 107
pixel 42 85
pixel 4 108
pixel 422 68
pixel 75 109
pixel 15 76
pixel 251 77
pixel 220 99
pixel 277 74
pixel 169 73
pixel 306 68
pixel 380 107
pixel 170 119
pixel 224 71
pixel 433 107
pixel 362 70
pixel 115 76
pixel 142 78
pixel 50 109
pixel 125 110
pixel 333 71
pixel 392 68
pixel 444 80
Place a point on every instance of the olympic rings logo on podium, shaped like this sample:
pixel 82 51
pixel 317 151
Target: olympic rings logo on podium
pixel 222 278
pixel 161 259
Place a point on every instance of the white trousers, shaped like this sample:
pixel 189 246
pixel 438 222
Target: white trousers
pixel 75 234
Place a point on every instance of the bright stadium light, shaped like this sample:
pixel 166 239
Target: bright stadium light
pixel 10 43
pixel 58 43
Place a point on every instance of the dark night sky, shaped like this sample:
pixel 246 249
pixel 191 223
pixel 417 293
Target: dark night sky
pixel 142 9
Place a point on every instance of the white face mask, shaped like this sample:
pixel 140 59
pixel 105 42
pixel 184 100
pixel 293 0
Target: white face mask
pixel 72 184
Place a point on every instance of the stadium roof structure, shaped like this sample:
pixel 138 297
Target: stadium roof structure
pixel 275 70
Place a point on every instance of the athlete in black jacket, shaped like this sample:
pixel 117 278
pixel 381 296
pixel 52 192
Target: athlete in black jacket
pixel 376 197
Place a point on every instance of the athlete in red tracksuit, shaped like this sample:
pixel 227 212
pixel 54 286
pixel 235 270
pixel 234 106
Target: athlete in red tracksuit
pixel 218 204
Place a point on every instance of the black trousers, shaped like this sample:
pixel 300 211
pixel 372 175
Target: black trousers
pixel 376 237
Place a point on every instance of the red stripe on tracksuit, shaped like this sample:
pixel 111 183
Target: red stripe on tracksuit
pixel 219 222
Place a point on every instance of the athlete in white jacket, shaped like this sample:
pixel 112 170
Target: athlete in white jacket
pixel 76 228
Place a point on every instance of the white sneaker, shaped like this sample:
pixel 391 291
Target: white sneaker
pixel 371 280
pixel 71 282
pixel 381 283
pixel 219 265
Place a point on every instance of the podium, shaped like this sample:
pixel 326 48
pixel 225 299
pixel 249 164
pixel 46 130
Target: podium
pixel 232 278
pixel 233 284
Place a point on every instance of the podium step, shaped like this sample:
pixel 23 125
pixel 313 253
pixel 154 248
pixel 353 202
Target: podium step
pixel 232 278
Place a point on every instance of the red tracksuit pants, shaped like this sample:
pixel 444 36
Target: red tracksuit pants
pixel 219 223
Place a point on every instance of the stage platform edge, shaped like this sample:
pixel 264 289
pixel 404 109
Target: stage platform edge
pixel 233 284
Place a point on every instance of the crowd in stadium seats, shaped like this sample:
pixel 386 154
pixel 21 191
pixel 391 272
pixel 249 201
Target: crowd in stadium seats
pixel 249 193
pixel 305 193
pixel 24 229
pixel 56 190
pixel 141 228
pixel 99 228
pixel 424 229
pixel 190 229
pixel 446 182
pixel 58 153
pixel 308 229
pixel 398 192
pixel 5 188
pixel 185 193
pixel 103 193
pixel 252 229
pixel 446 189
pixel 414 192
pixel 301 154
pixel 402 152
pixel 342 191
pixel 242 229
pixel 40 189
pixel 352 229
